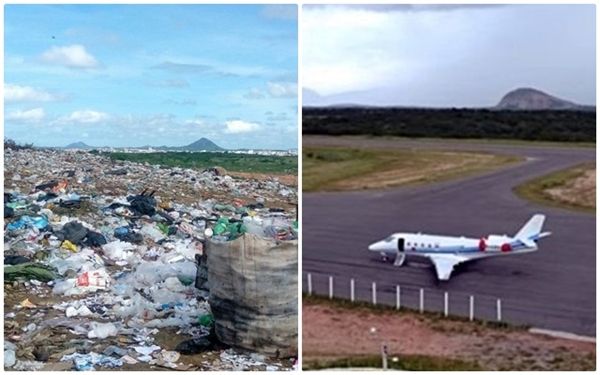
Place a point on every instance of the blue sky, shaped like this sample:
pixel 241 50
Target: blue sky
pixel 463 55
pixel 133 75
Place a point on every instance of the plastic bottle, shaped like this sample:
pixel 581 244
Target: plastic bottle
pixel 254 225
pixel 221 226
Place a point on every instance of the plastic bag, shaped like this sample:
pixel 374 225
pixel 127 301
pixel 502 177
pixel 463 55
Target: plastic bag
pixel 102 330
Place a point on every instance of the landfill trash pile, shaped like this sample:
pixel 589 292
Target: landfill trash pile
pixel 100 261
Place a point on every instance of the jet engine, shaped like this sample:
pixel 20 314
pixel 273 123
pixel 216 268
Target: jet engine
pixel 495 243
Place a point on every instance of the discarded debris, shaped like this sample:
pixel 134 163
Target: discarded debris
pixel 107 251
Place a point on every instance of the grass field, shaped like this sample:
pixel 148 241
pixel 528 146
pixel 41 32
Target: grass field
pixel 201 160
pixel 490 141
pixel 572 188
pixel 405 362
pixel 337 168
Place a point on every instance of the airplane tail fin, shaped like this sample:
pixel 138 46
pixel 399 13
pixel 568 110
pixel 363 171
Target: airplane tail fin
pixel 532 230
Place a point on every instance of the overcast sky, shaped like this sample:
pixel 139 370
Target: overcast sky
pixel 151 75
pixel 441 56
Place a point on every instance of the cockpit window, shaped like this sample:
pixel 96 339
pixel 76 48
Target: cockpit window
pixel 389 239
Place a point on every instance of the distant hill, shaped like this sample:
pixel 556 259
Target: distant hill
pixel 530 99
pixel 202 144
pixel 79 145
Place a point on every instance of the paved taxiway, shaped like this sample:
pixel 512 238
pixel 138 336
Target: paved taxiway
pixel 554 288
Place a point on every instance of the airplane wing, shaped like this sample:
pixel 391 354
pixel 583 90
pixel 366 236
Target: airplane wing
pixel 444 264
pixel 527 242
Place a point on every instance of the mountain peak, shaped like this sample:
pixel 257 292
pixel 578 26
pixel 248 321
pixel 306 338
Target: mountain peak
pixel 527 98
pixel 78 145
pixel 203 144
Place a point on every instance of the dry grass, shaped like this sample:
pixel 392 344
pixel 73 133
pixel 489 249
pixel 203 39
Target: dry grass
pixel 338 169
pixel 573 188
pixel 579 191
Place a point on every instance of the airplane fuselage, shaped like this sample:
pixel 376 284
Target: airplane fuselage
pixel 427 244
pixel 446 252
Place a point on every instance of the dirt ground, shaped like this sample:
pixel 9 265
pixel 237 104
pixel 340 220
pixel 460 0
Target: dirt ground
pixel 580 191
pixel 287 179
pixel 331 332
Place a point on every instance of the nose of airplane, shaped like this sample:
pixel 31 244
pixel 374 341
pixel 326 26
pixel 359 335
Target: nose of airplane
pixel 375 246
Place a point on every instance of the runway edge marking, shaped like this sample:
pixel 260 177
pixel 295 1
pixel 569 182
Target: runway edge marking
pixel 562 335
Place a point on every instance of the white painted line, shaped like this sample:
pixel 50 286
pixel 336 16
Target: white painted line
pixel 330 287
pixel 562 335
pixel 309 277
pixel 352 290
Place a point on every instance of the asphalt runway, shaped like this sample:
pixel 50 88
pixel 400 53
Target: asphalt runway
pixel 553 288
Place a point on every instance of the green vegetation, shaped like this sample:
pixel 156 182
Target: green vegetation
pixel 579 196
pixel 404 362
pixel 488 141
pixel 12 145
pixel 229 161
pixel 337 168
pixel 558 126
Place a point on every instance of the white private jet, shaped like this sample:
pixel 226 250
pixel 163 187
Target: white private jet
pixel 446 252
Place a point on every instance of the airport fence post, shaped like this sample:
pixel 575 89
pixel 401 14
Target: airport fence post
pixel 471 308
pixel 309 282
pixel 374 289
pixel 352 290
pixel 397 297
pixel 499 310
pixel 330 287
pixel 421 300
pixel 446 304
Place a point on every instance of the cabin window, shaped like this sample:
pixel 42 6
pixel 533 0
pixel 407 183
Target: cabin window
pixel 408 244
pixel 423 245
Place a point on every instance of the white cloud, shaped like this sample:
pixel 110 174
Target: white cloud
pixel 196 121
pixel 31 116
pixel 254 93
pixel 282 89
pixel 273 90
pixel 399 55
pixel 239 126
pixel 87 116
pixel 17 93
pixel 73 56
pixel 354 49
